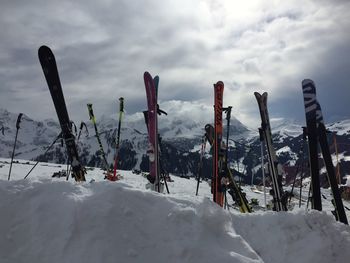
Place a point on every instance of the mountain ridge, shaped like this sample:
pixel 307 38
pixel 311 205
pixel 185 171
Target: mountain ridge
pixel 181 143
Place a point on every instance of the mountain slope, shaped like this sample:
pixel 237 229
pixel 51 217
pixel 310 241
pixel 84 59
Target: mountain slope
pixel 180 145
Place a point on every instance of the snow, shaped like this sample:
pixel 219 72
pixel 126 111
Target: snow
pixel 46 219
pixel 286 127
pixel 340 127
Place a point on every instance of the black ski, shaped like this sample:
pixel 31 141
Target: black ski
pixel 280 202
pixel 313 108
pixel 48 64
pixel 310 103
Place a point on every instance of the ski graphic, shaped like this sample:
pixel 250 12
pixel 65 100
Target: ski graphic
pixel 48 64
pixel 152 129
pixel 314 119
pixel 279 201
pixel 218 195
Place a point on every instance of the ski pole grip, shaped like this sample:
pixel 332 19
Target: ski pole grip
pixel 18 120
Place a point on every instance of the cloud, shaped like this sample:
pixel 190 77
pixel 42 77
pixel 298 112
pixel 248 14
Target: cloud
pixel 102 50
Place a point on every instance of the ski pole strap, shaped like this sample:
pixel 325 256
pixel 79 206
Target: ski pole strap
pixel 209 133
pixel 160 112
pixel 227 110
pixel 18 120
pixel 72 124
pixel 82 124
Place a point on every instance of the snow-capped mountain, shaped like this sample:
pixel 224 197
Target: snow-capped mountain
pixel 286 127
pixel 181 133
pixel 180 136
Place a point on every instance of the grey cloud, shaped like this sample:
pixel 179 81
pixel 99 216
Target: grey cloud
pixel 102 50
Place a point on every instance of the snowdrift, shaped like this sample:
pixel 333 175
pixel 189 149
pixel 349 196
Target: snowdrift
pixel 45 219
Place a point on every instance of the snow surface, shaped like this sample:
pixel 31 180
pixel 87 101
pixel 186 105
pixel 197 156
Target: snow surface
pixel 46 219
pixel 341 127
pixel 286 127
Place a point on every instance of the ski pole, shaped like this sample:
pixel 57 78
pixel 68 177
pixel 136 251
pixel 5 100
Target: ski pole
pixel 102 152
pixel 204 142
pixel 14 146
pixel 59 136
pixel 162 170
pixel 121 111
pixel 262 161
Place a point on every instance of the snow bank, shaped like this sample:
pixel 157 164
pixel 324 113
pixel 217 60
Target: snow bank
pixel 48 221
pixel 295 236
pixel 45 219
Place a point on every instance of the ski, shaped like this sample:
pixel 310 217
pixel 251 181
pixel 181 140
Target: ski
pixel 314 118
pixel 93 120
pixel 48 64
pixel 279 200
pixel 218 195
pixel 151 123
pixel 310 103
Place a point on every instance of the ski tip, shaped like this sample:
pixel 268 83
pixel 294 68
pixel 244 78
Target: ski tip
pixel 44 49
pixel 219 83
pixel 147 75
pixel 307 82
pixel 257 94
pixel 45 54
pixel 156 81
pixel 260 97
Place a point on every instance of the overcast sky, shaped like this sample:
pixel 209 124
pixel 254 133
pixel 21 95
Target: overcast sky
pixel 103 47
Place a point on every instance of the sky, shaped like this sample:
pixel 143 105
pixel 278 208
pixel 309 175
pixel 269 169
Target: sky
pixel 103 48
